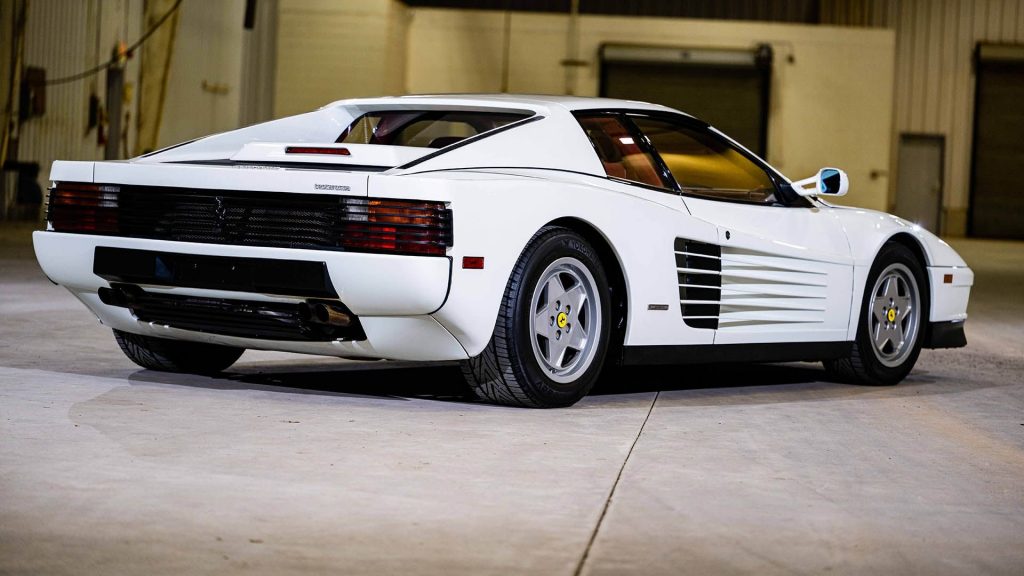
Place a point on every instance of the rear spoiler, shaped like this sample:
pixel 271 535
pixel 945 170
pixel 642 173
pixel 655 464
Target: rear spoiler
pixel 336 154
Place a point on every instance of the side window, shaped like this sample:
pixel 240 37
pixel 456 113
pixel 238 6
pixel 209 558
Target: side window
pixel 705 165
pixel 619 154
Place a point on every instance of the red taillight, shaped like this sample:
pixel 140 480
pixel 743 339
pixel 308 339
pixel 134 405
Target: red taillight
pixel 400 226
pixel 317 150
pixel 74 207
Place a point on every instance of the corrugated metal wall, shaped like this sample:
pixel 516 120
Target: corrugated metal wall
pixel 795 11
pixel 66 38
pixel 862 13
pixel 935 41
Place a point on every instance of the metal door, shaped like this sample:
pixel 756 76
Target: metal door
pixel 786 273
pixel 998 146
pixel 919 180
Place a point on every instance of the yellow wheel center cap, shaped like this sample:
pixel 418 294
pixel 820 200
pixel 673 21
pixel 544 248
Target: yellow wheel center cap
pixel 891 315
pixel 562 319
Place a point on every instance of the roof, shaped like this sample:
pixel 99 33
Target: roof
pixel 530 101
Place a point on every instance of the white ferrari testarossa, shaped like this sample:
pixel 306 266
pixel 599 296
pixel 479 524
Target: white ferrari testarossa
pixel 537 239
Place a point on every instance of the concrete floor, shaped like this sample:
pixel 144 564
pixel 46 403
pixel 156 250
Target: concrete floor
pixel 293 464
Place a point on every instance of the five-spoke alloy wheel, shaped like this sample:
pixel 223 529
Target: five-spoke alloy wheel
pixel 893 315
pixel 552 331
pixel 566 319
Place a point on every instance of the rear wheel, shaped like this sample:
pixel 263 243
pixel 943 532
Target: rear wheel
pixel 893 312
pixel 176 355
pixel 551 336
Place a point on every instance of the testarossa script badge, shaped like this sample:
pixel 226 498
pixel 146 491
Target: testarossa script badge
pixel 331 187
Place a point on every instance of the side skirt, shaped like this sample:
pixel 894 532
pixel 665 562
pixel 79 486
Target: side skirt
pixel 720 353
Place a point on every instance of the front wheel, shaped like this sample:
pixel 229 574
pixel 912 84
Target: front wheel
pixel 893 315
pixel 552 332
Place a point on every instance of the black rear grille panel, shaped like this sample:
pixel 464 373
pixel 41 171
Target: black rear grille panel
pixel 261 275
pixel 272 219
pixel 241 318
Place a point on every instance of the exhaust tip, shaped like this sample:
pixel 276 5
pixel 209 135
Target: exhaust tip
pixel 324 313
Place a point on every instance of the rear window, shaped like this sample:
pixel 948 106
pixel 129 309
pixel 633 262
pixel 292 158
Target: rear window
pixel 423 129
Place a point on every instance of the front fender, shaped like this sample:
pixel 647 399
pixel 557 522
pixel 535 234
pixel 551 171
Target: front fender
pixel 949 277
pixel 868 230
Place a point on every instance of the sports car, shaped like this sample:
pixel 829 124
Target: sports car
pixel 537 240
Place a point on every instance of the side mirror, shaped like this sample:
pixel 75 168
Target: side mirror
pixel 828 181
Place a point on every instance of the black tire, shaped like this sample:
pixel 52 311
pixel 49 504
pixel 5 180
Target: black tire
pixel 865 365
pixel 510 370
pixel 176 355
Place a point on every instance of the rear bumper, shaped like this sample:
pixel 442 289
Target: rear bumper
pixel 393 296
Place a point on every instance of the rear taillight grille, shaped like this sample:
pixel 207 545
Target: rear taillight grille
pixel 315 221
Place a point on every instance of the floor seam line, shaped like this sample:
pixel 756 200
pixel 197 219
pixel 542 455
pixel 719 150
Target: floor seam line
pixel 611 493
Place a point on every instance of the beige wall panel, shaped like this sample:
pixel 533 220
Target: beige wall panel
pixel 805 132
pixel 395 48
pixel 537 49
pixel 328 50
pixel 207 50
pixel 456 51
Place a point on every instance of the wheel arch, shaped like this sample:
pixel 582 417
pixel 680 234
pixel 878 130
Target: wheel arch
pixel 616 276
pixel 914 245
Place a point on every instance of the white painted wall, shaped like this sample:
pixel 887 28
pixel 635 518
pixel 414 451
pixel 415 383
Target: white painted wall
pixel 831 106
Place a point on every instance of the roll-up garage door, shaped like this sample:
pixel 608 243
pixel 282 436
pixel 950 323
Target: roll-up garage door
pixel 727 88
pixel 997 204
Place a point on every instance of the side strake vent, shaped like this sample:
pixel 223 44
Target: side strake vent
pixel 762 289
pixel 699 268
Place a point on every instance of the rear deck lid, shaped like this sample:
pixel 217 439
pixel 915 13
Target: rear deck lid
pixel 225 176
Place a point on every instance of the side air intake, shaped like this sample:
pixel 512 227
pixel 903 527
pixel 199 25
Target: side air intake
pixel 699 269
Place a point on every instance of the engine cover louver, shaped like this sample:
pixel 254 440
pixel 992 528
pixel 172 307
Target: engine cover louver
pixel 699 270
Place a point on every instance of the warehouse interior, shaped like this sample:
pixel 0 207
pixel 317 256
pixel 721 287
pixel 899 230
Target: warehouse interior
pixel 926 90
pixel 292 464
